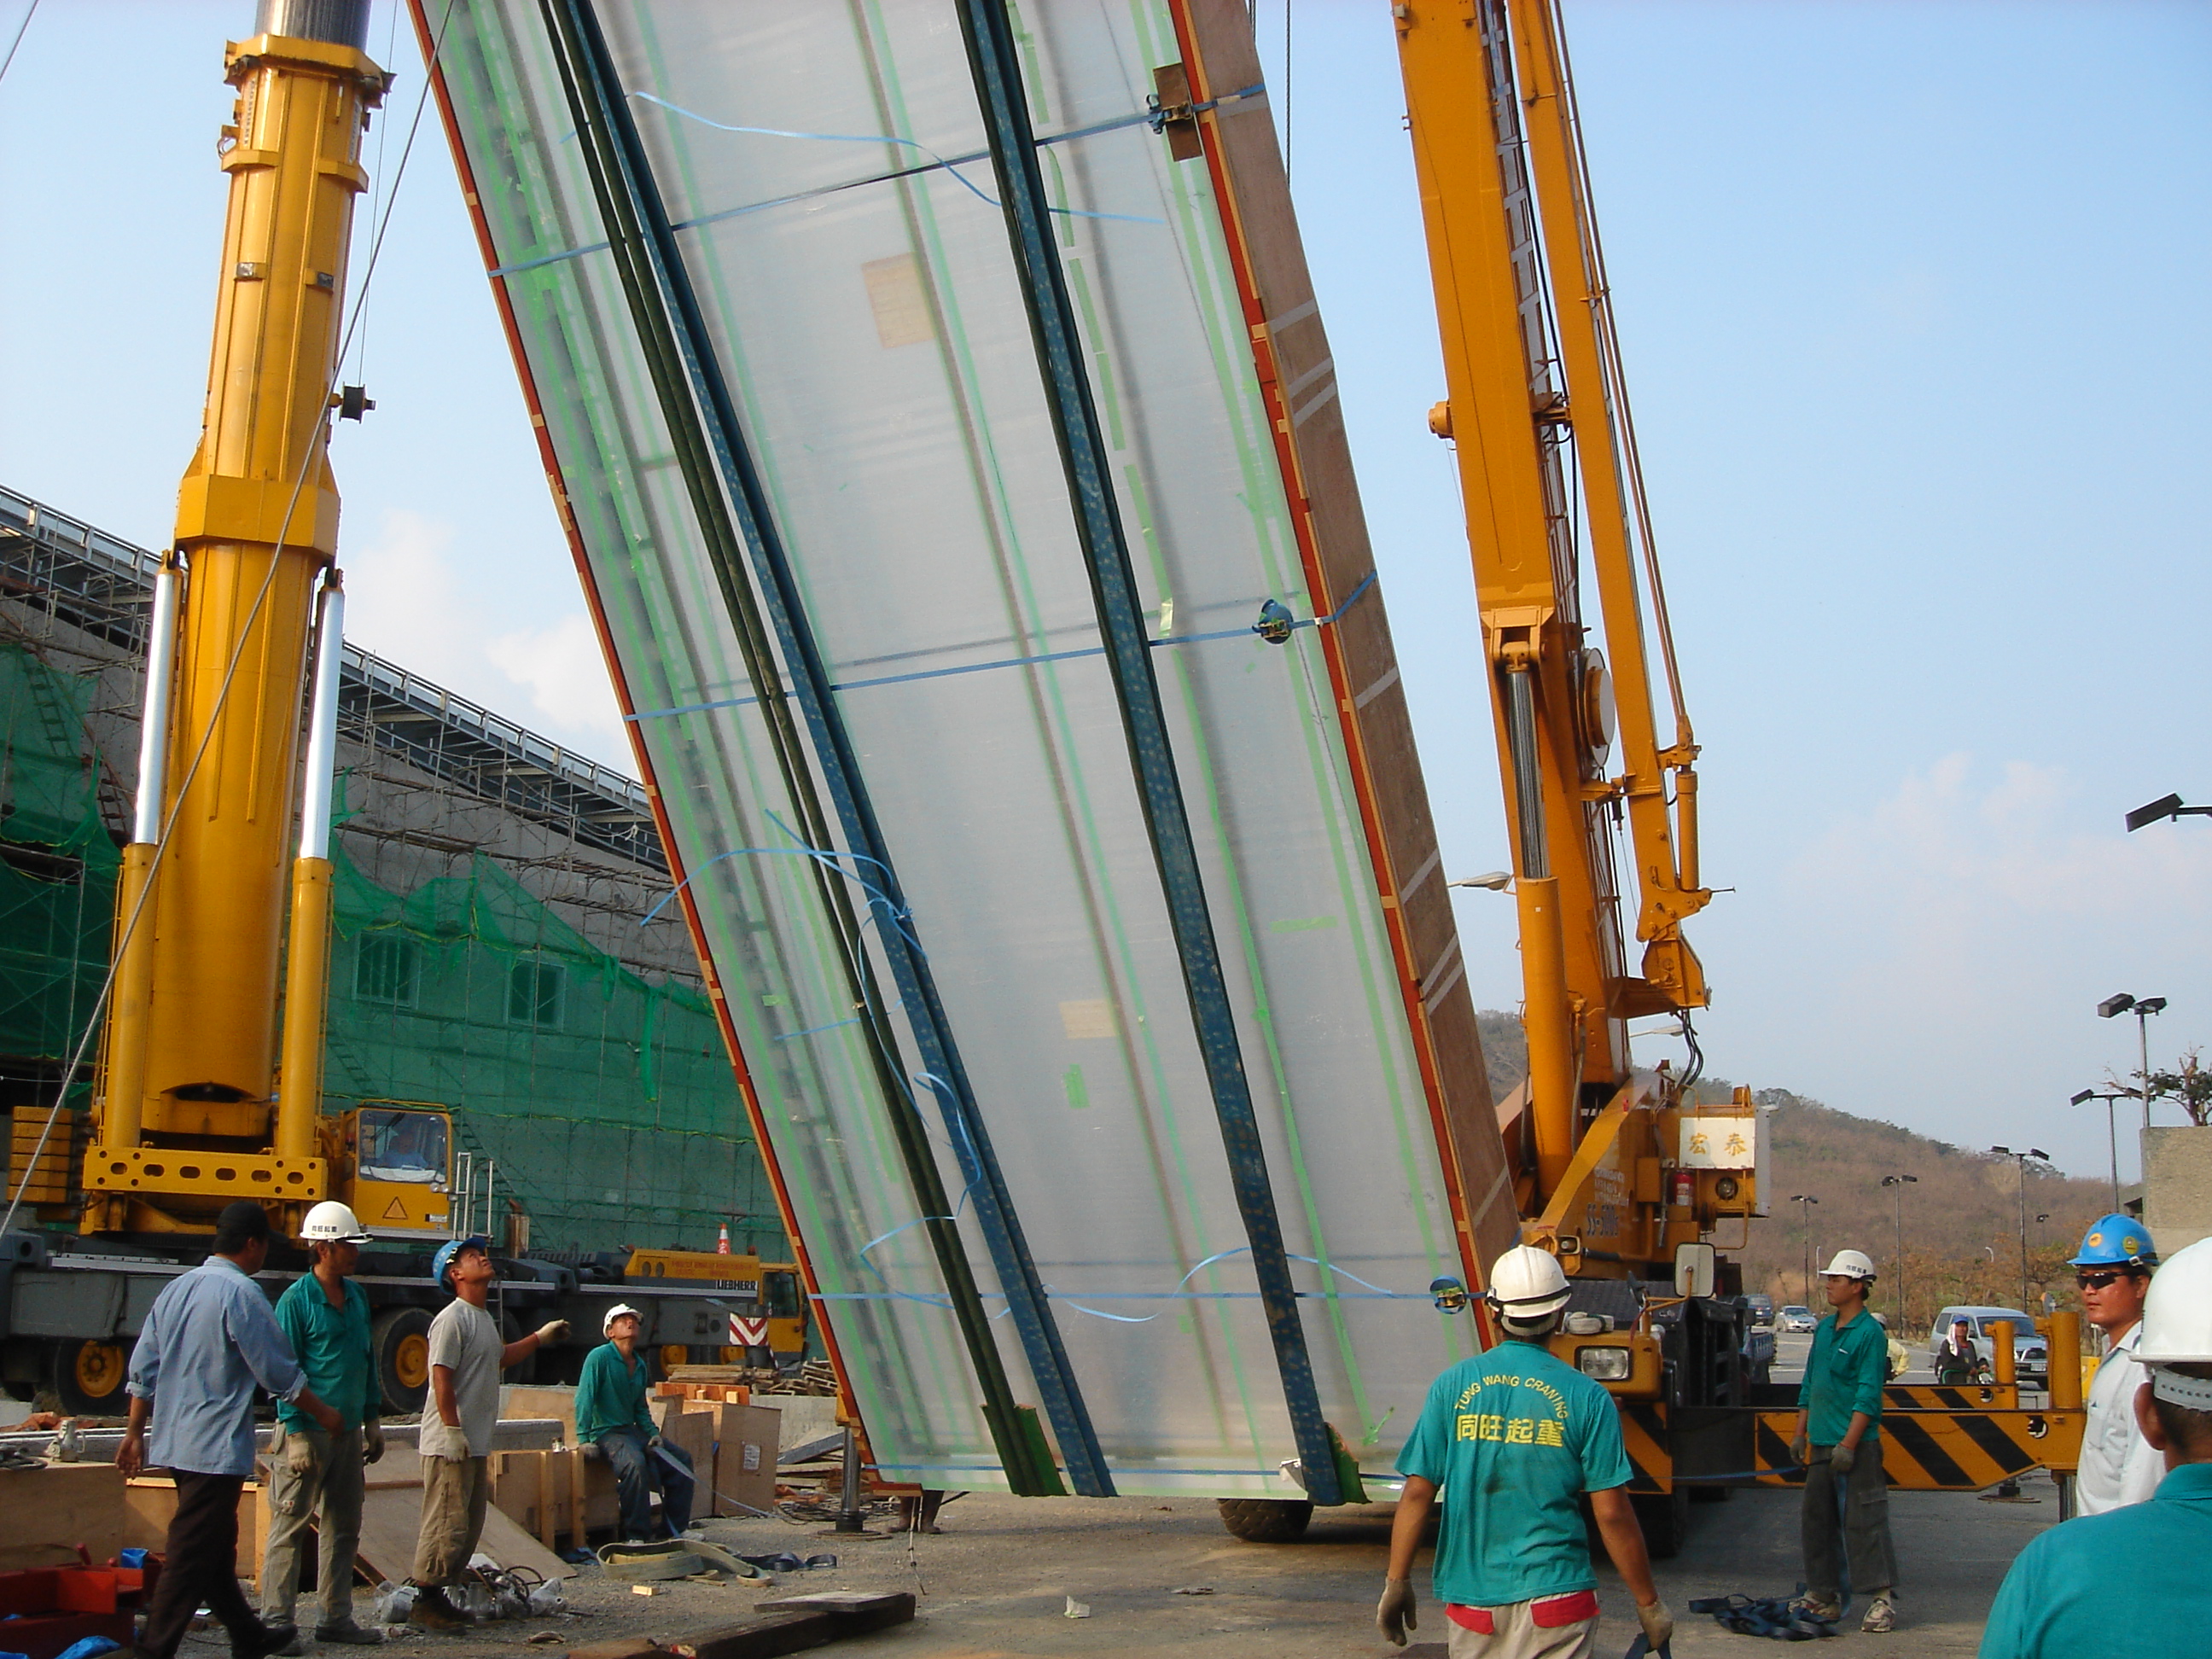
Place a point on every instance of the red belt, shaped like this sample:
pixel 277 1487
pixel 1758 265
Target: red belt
pixel 1549 1612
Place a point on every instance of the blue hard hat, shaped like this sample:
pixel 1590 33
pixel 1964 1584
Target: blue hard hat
pixel 446 1252
pixel 2117 1241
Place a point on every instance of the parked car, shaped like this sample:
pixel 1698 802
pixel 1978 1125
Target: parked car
pixel 2031 1352
pixel 1795 1318
pixel 1762 1309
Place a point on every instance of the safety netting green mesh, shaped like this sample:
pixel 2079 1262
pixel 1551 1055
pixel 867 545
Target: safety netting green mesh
pixel 605 1100
pixel 603 1097
pixel 57 867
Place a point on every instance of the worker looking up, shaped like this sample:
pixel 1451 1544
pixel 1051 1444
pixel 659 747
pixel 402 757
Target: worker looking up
pixel 208 1340
pixel 2135 1573
pixel 2119 1465
pixel 613 1415
pixel 1513 1438
pixel 1839 1438
pixel 466 1357
pixel 317 1477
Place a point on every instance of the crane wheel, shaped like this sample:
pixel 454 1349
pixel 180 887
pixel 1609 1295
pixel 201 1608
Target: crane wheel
pixel 1266 1520
pixel 400 1339
pixel 88 1377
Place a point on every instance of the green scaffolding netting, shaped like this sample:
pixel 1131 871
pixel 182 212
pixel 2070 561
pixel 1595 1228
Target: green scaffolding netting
pixel 605 1099
pixel 58 867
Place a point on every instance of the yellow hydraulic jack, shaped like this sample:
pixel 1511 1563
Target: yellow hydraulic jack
pixel 191 1110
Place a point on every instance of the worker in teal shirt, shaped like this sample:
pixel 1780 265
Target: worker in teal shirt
pixel 1839 1439
pixel 613 1415
pixel 2134 1577
pixel 1513 1438
pixel 316 1479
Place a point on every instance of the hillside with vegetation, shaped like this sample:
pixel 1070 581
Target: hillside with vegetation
pixel 1961 1214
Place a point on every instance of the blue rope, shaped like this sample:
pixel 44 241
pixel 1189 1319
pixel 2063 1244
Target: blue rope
pixel 1333 617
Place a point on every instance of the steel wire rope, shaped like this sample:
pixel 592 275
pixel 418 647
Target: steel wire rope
pixel 1615 387
pixel 30 12
pixel 316 448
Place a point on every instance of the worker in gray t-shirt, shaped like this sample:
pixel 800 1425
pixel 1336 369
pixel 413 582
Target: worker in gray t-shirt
pixel 466 1357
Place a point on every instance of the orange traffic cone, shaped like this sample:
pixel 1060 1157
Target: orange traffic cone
pixel 722 1244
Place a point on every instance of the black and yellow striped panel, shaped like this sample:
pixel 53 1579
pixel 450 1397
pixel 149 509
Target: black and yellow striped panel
pixel 1946 1397
pixel 1644 1433
pixel 1942 1451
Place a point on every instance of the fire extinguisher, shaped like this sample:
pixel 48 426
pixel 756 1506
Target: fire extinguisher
pixel 1685 1189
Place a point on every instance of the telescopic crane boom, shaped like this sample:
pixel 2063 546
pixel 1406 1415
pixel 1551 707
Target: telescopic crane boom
pixel 1546 453
pixel 246 600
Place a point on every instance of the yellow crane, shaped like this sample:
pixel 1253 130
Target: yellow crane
pixel 200 1100
pixel 1623 1175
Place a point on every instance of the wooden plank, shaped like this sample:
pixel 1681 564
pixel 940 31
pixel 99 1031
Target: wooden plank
pixel 793 1623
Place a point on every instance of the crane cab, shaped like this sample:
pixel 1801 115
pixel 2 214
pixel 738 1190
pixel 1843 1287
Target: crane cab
pixel 394 1160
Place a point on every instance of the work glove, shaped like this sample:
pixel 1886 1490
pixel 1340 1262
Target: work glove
pixel 1841 1460
pixel 1394 1613
pixel 552 1332
pixel 1658 1625
pixel 653 1441
pixel 299 1453
pixel 1800 1451
pixel 371 1440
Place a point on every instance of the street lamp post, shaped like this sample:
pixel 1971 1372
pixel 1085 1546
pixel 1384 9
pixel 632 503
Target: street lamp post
pixel 1901 1181
pixel 2033 1154
pixel 2142 1008
pixel 1805 1229
pixel 2112 1133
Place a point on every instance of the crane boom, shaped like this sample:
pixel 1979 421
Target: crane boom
pixel 191 1060
pixel 1538 414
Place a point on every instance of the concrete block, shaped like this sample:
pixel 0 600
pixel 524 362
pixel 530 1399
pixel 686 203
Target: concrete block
pixel 2178 1186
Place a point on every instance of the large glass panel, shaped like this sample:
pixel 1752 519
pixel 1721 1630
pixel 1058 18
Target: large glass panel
pixel 824 165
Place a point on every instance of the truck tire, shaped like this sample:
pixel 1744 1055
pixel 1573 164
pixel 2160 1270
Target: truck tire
pixel 1266 1520
pixel 88 1377
pixel 401 1341
pixel 1665 1518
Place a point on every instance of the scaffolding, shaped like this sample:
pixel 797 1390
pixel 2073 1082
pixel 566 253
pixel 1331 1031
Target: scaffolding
pixel 575 1047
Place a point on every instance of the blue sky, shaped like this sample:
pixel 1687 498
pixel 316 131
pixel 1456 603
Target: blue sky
pixel 1913 299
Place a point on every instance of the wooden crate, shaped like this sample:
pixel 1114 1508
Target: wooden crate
pixel 149 1501
pixel 537 1490
pixel 45 1514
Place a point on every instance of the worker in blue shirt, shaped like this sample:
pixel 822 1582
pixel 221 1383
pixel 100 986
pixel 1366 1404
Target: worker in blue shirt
pixel 209 1340
pixel 1513 1439
pixel 1839 1439
pixel 2134 1577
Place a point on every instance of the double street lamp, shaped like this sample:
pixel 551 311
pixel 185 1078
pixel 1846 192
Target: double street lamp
pixel 2032 1154
pixel 1900 1182
pixel 2112 1133
pixel 2142 1008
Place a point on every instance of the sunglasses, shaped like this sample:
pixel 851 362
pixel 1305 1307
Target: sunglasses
pixel 2099 1281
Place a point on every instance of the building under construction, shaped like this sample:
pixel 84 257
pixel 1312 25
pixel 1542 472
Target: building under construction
pixel 495 947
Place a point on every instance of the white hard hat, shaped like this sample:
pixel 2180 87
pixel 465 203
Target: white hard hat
pixel 1527 1282
pixel 1852 1264
pixel 616 1312
pixel 333 1223
pixel 2177 1323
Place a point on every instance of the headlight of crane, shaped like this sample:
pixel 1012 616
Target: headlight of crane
pixel 1603 1364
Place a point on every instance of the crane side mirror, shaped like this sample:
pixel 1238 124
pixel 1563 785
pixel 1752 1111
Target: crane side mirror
pixel 1694 1270
pixel 1449 1294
